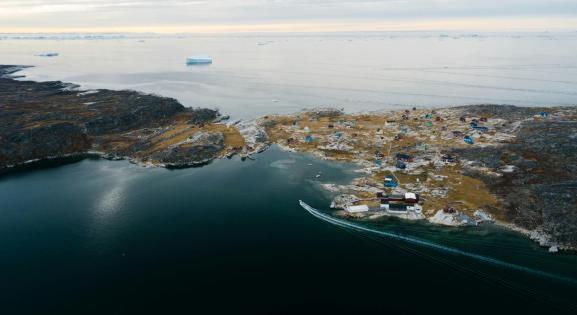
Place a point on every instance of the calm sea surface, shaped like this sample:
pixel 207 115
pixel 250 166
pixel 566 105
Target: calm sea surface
pixel 111 237
pixel 262 74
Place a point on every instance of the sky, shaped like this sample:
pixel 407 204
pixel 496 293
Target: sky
pixel 173 16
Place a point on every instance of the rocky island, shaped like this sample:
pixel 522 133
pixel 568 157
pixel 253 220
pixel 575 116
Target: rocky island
pixel 459 166
pixel 41 120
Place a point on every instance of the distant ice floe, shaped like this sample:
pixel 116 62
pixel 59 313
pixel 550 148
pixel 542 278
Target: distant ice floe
pixel 265 43
pixel 48 54
pixel 198 60
pixel 65 36
pixel 358 36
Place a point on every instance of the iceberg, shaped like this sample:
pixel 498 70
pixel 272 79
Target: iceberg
pixel 48 54
pixel 197 60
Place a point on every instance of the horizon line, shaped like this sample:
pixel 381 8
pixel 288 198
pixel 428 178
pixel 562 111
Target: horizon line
pixel 512 24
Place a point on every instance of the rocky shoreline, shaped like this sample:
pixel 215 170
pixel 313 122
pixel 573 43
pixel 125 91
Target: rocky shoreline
pixel 510 165
pixel 47 120
pixel 513 166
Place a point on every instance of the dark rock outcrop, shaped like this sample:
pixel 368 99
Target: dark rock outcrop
pixel 130 110
pixel 203 116
pixel 48 140
pixel 199 149
pixel 541 193
pixel 41 120
pixel 317 113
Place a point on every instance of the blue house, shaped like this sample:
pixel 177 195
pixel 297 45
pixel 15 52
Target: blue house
pixel 468 140
pixel 390 182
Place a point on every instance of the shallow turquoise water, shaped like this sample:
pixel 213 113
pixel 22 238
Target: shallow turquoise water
pixel 99 236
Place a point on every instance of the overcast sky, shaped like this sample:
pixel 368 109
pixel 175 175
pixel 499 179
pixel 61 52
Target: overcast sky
pixel 297 15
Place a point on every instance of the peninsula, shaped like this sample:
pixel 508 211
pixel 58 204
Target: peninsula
pixel 458 166
pixel 42 120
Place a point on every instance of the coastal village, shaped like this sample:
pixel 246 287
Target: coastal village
pixel 459 166
pixel 409 172
pixel 411 161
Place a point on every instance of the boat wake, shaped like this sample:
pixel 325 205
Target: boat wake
pixel 424 243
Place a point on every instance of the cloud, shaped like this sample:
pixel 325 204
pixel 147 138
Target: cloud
pixel 74 14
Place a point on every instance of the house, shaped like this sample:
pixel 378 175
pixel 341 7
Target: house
pixel 401 165
pixel 400 204
pixel 410 198
pixel 396 208
pixel 447 158
pixel 457 134
pixel 390 182
pixel 448 209
pixel 403 157
pixel 481 128
pixel 357 209
pixel 468 140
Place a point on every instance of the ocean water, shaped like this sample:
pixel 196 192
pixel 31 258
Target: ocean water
pixel 260 74
pixel 111 237
pixel 94 236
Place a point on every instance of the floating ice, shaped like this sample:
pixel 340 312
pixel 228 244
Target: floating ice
pixel 268 42
pixel 198 60
pixel 48 54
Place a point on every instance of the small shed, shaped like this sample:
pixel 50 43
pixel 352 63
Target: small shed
pixel 357 209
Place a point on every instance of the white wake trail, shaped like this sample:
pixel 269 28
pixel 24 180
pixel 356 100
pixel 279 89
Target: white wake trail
pixel 424 243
